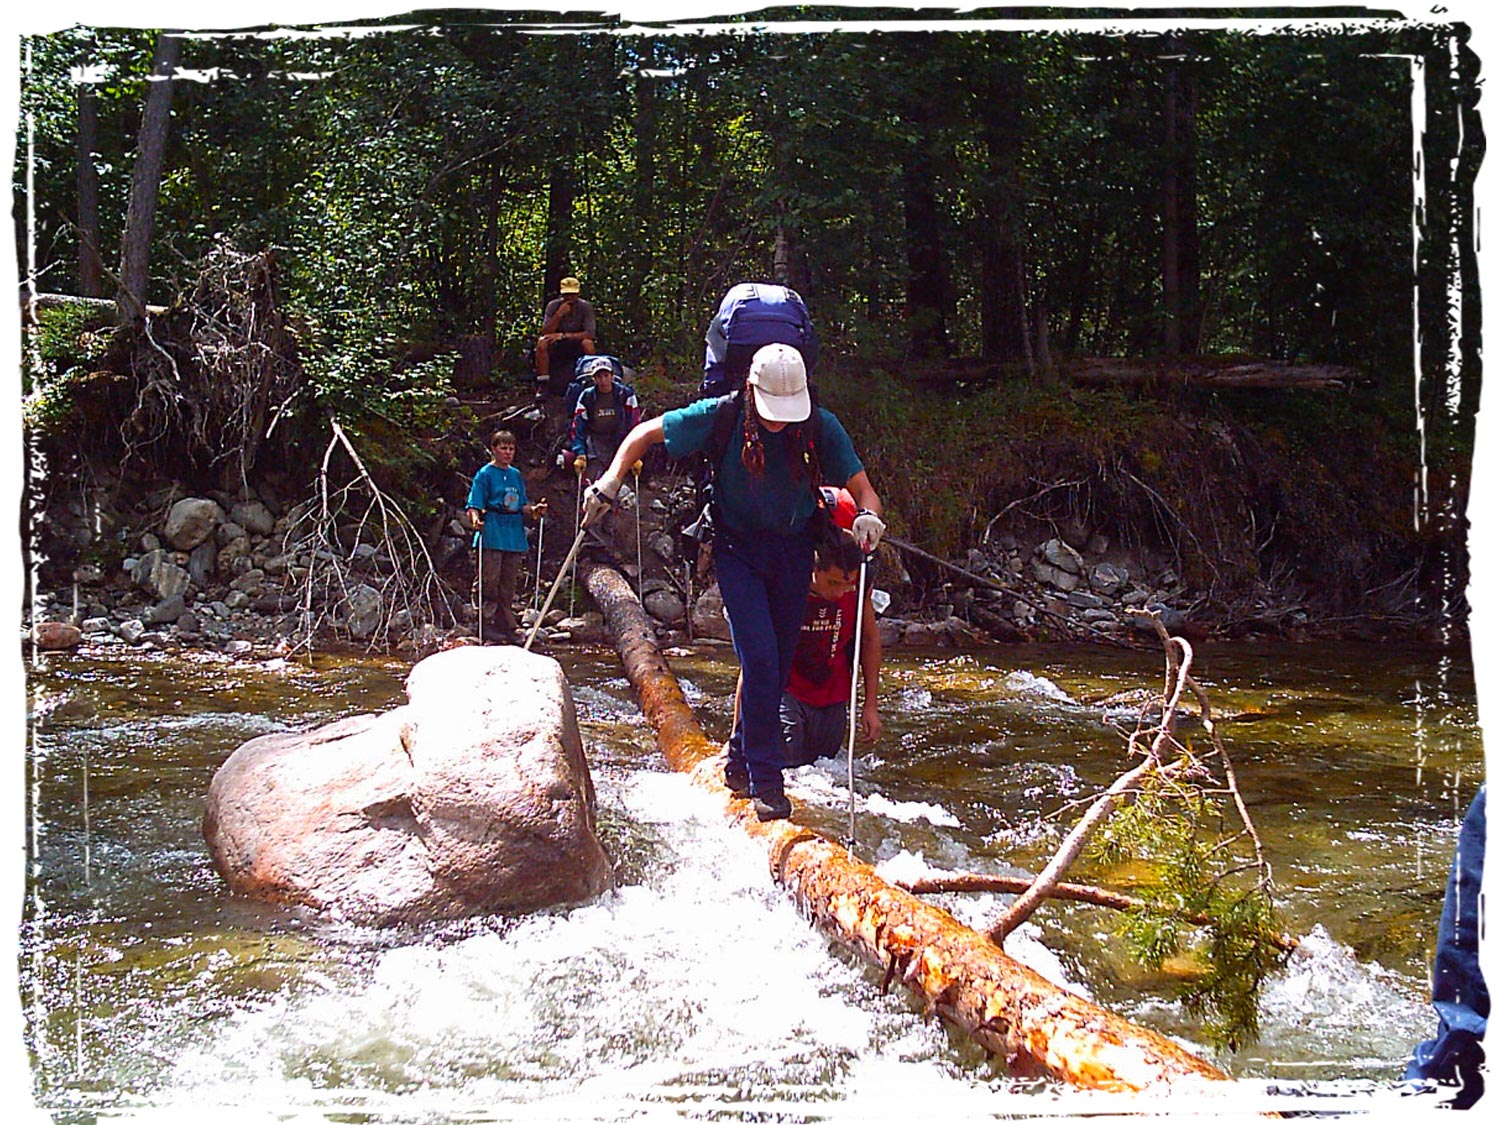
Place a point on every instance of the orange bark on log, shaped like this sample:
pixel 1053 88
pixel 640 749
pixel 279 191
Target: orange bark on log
pixel 1037 1028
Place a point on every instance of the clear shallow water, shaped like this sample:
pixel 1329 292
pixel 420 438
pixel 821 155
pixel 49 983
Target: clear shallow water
pixel 697 990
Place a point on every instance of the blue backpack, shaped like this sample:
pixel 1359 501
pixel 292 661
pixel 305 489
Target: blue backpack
pixel 752 315
pixel 581 381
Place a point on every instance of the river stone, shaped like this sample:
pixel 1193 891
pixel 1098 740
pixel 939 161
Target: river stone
pixel 665 606
pixel 56 635
pixel 473 798
pixel 166 611
pixel 1054 576
pixel 1061 555
pixel 708 615
pixel 1082 599
pixel 362 610
pixel 88 575
pixel 1172 619
pixel 1109 580
pixel 251 582
pixel 157 574
pixel 663 545
pixel 191 521
pixel 203 562
pixel 254 517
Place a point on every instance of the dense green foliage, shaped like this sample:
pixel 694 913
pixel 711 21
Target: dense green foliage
pixel 430 183
pixel 424 183
pixel 1177 835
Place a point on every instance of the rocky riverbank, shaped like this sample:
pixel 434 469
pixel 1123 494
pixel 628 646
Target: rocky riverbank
pixel 238 574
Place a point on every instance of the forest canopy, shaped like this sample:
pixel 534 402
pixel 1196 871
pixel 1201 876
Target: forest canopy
pixel 985 193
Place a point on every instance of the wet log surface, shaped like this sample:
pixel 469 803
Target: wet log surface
pixel 1037 1028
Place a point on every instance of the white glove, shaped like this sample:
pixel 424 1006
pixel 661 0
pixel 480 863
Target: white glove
pixel 599 498
pixel 867 529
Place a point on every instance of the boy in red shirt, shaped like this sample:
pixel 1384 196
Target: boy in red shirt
pixel 815 704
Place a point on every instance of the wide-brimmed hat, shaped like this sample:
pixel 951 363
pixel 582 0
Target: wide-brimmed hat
pixel 568 285
pixel 778 379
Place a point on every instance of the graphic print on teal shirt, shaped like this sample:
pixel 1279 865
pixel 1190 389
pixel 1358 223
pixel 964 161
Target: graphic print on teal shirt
pixel 500 494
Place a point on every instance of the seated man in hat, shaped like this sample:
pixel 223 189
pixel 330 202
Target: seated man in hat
pixel 567 333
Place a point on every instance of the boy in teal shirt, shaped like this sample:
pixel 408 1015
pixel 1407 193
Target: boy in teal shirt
pixel 497 509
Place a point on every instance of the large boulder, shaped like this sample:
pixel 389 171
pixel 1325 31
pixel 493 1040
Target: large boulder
pixel 473 798
pixel 190 521
pixel 253 516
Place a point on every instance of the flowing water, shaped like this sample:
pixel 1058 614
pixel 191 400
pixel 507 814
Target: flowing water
pixel 696 991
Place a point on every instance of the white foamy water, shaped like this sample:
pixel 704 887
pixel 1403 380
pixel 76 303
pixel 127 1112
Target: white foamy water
pixel 826 783
pixel 1329 1003
pixel 1028 683
pixel 699 983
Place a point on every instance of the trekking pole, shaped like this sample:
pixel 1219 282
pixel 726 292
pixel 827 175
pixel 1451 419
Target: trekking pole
pixel 639 572
pixel 479 581
pixel 541 527
pixel 859 621
pixel 578 467
pixel 552 593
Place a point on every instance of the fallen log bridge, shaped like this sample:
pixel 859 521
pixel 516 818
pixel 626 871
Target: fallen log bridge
pixel 1037 1028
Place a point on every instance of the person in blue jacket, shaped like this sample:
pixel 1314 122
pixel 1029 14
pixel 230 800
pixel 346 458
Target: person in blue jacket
pixel 606 411
pixel 1462 1000
pixel 765 495
pixel 496 509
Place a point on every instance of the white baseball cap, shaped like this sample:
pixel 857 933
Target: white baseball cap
pixel 778 379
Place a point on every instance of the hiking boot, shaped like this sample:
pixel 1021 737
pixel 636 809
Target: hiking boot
pixel 772 806
pixel 737 779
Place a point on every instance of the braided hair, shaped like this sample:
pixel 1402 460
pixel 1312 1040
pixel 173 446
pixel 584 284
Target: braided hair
pixel 806 467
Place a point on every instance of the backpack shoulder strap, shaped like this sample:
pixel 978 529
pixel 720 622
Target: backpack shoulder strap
pixel 725 415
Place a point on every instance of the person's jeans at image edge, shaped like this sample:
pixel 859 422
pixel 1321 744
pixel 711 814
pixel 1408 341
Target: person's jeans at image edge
pixel 763 580
pixel 1459 993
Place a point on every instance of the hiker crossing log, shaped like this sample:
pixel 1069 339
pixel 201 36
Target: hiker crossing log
pixel 1037 1028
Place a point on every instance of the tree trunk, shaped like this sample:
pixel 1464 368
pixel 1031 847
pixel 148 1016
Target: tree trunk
pixel 145 181
pixel 561 185
pixel 1037 1028
pixel 1002 298
pixel 640 263
pixel 560 193
pixel 1180 266
pixel 926 281
pixel 90 265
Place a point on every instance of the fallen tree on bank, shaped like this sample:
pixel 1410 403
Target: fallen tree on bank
pixel 1035 1027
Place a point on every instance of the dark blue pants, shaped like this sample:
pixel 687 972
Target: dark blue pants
pixel 763 580
pixel 1459 992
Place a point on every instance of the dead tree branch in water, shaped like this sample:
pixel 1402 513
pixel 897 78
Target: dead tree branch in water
pixel 1168 812
pixel 971 883
pixel 365 572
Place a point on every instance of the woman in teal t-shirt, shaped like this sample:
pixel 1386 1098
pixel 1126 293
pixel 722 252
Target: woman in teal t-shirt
pixel 764 496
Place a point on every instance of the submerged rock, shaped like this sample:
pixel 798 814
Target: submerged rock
pixel 475 797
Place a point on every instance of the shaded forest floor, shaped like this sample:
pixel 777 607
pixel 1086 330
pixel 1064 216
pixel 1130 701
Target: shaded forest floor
pixel 1277 512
